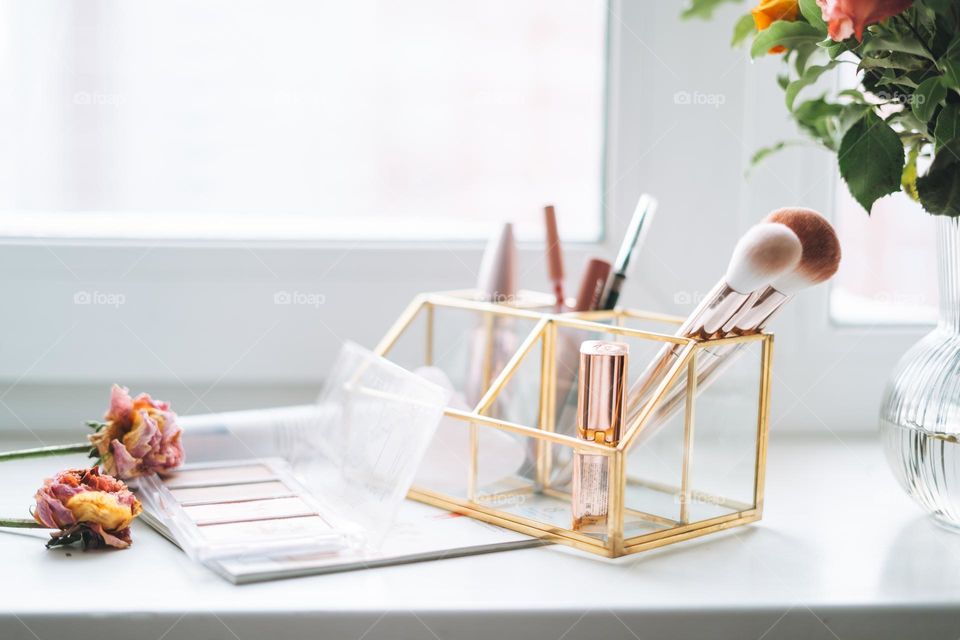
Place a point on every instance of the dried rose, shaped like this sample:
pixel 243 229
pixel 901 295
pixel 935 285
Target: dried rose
pixel 848 17
pixel 86 507
pixel 139 435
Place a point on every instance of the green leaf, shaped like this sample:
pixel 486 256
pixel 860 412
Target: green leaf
pixel 743 29
pixel 938 6
pixel 765 152
pixel 948 125
pixel 832 48
pixel 803 54
pixel 949 64
pixel 894 60
pixel 873 43
pixel 908 179
pixel 928 95
pixel 809 76
pixel 811 12
pixel 871 160
pixel 703 8
pixel 781 32
pixel 940 188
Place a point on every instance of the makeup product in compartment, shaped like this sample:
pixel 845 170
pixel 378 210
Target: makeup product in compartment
pixel 492 343
pixel 632 242
pixel 554 256
pixel 600 397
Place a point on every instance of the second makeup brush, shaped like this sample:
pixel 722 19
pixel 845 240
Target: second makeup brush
pixel 765 251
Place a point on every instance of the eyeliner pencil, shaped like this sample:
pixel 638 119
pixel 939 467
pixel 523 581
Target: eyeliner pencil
pixel 639 224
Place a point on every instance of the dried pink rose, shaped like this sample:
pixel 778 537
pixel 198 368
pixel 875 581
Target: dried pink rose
pixel 138 436
pixel 848 17
pixel 85 506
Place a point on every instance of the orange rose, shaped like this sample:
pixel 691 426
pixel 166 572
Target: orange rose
pixel 769 11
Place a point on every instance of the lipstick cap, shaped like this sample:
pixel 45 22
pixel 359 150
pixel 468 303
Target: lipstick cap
pixel 603 379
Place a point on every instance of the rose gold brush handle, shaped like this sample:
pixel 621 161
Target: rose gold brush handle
pixel 713 362
pixel 720 304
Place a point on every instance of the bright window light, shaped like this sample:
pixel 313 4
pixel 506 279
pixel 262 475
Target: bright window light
pixel 300 119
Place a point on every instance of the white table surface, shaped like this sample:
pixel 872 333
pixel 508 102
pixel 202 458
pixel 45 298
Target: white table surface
pixel 840 553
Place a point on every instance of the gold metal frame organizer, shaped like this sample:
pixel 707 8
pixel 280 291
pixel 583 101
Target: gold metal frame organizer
pixel 692 454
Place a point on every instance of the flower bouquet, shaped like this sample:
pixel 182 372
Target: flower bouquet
pixel 900 115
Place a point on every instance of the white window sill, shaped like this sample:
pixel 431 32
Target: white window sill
pixel 841 552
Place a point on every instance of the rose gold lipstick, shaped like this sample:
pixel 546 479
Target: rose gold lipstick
pixel 600 398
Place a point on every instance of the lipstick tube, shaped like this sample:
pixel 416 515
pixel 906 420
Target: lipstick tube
pixel 600 398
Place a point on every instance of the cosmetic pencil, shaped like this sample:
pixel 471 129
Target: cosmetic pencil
pixel 632 241
pixel 592 284
pixel 554 255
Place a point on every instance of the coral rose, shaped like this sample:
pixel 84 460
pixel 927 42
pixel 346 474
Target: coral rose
pixel 88 507
pixel 850 17
pixel 139 435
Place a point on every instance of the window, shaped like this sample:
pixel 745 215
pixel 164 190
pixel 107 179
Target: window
pixel 329 120
pixel 889 274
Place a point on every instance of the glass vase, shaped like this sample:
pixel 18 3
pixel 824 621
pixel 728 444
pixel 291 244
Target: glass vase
pixel 920 413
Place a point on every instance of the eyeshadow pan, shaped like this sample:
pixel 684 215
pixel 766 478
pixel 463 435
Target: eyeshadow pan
pixel 212 476
pixel 260 530
pixel 231 493
pixel 225 512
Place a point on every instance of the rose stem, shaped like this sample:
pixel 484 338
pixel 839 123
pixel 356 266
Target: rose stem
pixel 21 523
pixel 39 452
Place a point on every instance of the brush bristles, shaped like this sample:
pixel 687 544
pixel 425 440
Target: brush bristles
pixel 763 253
pixel 821 248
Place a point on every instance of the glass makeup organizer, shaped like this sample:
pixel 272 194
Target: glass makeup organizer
pixel 689 462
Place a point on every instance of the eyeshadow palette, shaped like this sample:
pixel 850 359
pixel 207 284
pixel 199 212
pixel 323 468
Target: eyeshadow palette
pixel 248 508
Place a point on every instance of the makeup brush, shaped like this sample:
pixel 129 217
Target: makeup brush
pixel 554 255
pixel 819 260
pixel 762 254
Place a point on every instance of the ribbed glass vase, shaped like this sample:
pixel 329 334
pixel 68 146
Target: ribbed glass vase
pixel 920 414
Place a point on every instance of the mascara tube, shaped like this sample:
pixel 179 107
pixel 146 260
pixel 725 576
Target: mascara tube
pixel 600 398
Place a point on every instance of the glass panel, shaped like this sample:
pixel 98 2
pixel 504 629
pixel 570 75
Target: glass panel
pixel 467 351
pixel 724 456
